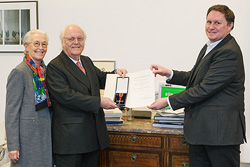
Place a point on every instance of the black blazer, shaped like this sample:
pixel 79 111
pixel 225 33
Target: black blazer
pixel 214 98
pixel 78 120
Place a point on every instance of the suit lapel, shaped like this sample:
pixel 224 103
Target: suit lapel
pixel 201 60
pixel 88 65
pixel 74 70
pixel 197 65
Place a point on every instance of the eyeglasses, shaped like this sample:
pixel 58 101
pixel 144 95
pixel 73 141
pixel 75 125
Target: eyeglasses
pixel 72 39
pixel 37 44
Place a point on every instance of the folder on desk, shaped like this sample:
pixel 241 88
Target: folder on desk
pixel 170 90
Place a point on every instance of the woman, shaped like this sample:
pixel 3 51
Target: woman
pixel 27 115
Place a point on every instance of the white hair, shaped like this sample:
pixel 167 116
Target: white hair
pixel 62 34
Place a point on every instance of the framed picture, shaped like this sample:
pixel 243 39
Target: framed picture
pixel 105 65
pixel 16 19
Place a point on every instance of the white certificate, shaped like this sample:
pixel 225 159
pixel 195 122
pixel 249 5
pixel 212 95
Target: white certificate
pixel 141 88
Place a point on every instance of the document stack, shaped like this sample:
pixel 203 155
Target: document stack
pixel 113 116
pixel 169 119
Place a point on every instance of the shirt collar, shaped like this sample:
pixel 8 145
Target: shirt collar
pixel 75 61
pixel 210 45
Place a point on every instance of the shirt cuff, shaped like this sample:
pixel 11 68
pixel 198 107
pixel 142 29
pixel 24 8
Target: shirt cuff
pixel 169 103
pixel 171 76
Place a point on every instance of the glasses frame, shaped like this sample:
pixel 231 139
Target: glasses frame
pixel 40 44
pixel 72 39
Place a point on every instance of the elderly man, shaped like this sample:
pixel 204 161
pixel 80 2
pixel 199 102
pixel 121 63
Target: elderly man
pixel 79 129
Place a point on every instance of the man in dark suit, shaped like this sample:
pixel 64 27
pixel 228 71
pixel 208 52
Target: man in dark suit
pixel 214 123
pixel 79 128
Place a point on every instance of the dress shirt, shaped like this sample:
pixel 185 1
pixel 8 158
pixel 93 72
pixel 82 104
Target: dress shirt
pixel 210 46
pixel 75 61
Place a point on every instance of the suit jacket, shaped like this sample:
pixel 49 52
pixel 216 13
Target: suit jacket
pixel 27 130
pixel 214 96
pixel 78 120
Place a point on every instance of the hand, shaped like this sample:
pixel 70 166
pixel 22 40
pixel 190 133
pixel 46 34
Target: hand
pixel 158 104
pixel 107 103
pixel 14 155
pixel 121 72
pixel 157 69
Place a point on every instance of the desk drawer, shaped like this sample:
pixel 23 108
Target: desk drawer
pixel 133 159
pixel 136 140
pixel 178 142
pixel 179 160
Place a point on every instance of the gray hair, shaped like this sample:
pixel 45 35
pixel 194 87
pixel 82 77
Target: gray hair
pixel 28 35
pixel 62 35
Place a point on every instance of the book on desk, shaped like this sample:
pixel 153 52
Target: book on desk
pixel 169 119
pixel 113 116
pixel 167 125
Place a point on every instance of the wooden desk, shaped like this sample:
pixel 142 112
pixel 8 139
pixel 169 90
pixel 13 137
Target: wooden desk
pixel 137 144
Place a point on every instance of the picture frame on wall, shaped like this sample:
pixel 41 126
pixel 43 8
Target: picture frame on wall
pixel 16 19
pixel 105 65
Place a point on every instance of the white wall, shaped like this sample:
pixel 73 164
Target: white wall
pixel 137 33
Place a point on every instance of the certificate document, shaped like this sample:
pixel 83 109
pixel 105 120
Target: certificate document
pixel 141 88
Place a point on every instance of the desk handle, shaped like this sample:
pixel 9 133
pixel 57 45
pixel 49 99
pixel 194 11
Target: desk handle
pixel 133 157
pixel 133 138
pixel 184 164
pixel 184 142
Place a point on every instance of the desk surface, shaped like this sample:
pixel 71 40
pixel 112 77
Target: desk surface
pixel 142 126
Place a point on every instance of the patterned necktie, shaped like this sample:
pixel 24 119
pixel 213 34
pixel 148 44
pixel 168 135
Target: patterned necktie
pixel 81 67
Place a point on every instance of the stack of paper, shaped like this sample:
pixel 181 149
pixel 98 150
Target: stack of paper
pixel 169 119
pixel 113 116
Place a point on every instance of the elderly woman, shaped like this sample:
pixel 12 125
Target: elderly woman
pixel 27 116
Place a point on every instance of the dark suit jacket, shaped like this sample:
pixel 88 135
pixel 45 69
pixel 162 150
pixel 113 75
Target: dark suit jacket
pixel 78 120
pixel 214 96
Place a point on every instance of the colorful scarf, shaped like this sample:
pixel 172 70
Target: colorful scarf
pixel 41 93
